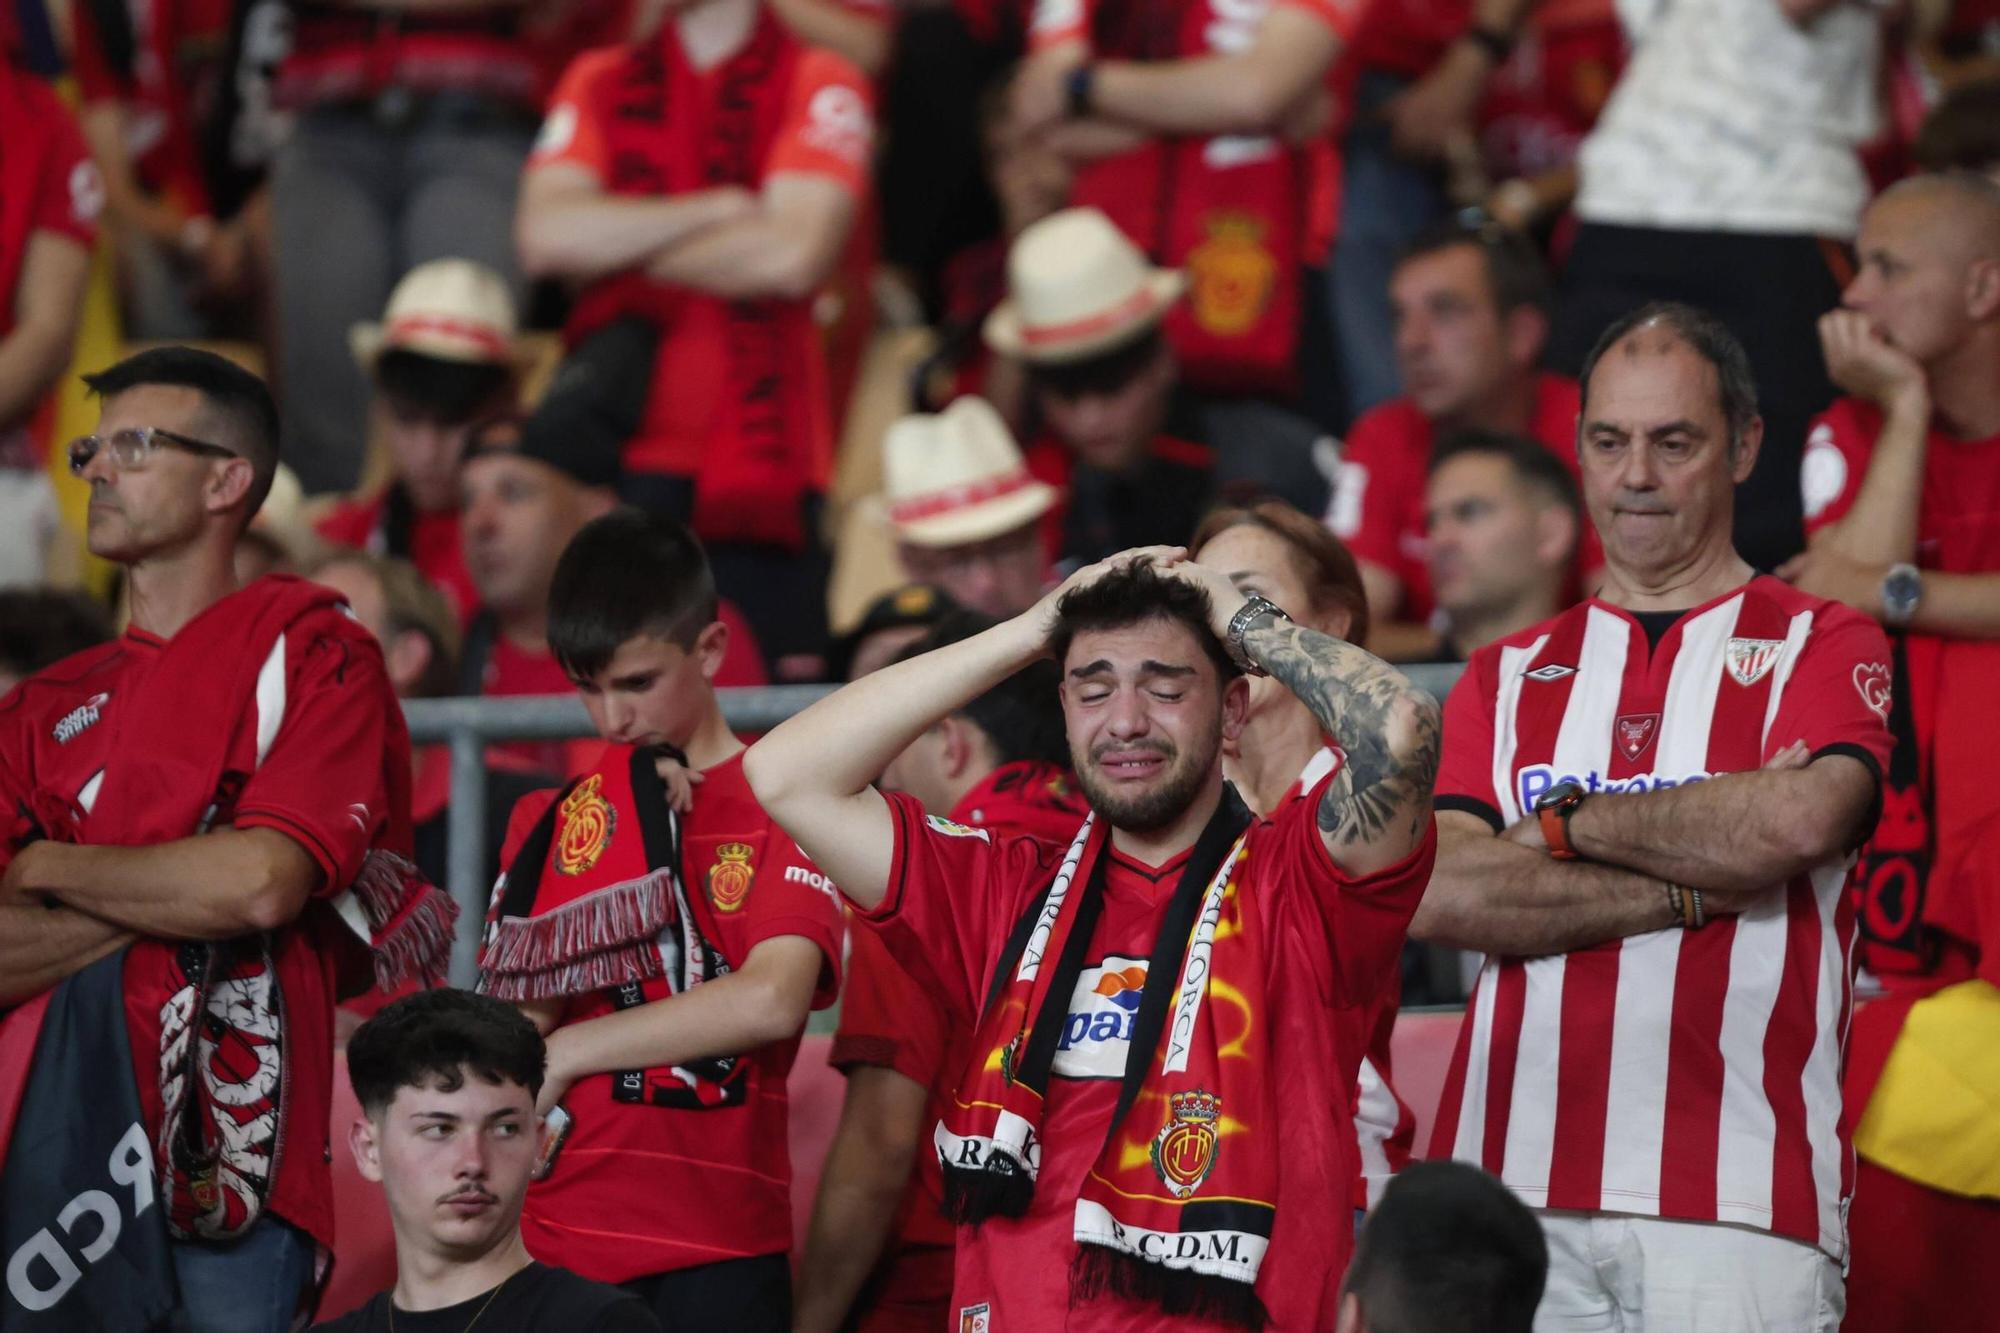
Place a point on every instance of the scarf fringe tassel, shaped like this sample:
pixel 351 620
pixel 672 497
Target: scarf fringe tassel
pixel 601 940
pixel 970 1197
pixel 411 920
pixel 1099 1271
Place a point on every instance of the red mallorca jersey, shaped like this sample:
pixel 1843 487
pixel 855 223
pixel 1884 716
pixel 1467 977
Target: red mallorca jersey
pixel 1378 496
pixel 956 892
pixel 1680 1074
pixel 321 784
pixel 641 1189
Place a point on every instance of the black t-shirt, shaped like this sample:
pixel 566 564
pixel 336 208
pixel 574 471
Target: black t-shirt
pixel 537 1297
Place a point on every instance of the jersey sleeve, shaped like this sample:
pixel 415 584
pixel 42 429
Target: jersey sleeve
pixel 573 130
pixel 792 896
pixel 1372 496
pixel 69 198
pixel 1358 922
pixel 324 782
pixel 953 894
pixel 1340 16
pixel 1054 22
pixel 1837 700
pixel 886 1017
pixel 1465 771
pixel 1838 446
pixel 829 124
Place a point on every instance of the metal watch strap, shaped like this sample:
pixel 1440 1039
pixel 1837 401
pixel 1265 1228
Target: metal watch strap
pixel 1252 610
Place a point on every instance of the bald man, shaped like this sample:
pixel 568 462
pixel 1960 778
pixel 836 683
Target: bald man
pixel 1902 499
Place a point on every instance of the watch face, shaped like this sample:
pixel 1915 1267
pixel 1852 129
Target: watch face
pixel 1560 794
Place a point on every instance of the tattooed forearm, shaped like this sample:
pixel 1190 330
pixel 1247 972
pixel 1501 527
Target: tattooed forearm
pixel 1387 727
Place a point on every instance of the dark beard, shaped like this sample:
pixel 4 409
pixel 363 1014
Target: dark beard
pixel 1154 809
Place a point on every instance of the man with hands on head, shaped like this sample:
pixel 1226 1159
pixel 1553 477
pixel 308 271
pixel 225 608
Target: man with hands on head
pixel 1175 976
pixel 1646 814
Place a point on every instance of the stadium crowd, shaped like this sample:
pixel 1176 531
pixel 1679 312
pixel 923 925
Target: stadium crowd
pixel 1115 401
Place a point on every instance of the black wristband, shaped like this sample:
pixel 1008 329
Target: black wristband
pixel 1077 90
pixel 1497 45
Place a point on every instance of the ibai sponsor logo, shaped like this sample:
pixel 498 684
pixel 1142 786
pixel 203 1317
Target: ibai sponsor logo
pixel 1535 779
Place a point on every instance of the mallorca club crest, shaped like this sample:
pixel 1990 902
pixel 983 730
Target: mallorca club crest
pixel 586 824
pixel 1750 660
pixel 1230 274
pixel 1635 733
pixel 1010 1056
pixel 729 878
pixel 1184 1149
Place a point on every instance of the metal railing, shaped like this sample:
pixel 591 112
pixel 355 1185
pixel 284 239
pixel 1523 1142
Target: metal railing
pixel 469 725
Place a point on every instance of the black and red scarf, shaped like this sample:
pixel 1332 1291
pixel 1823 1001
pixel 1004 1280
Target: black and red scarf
pixel 594 900
pixel 669 134
pixel 1178 1208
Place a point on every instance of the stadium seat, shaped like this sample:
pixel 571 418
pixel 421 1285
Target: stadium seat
pixel 1420 1055
pixel 364 1245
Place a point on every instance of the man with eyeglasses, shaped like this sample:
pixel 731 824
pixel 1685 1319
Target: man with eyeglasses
pixel 199 810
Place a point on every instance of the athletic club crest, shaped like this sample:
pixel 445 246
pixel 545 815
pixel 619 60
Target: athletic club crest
pixel 729 878
pixel 1635 733
pixel 586 824
pixel 1871 681
pixel 1750 660
pixel 1184 1149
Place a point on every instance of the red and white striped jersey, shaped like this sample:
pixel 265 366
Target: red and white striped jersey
pixel 1683 1074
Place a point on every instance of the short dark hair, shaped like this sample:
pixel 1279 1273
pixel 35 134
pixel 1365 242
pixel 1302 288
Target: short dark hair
pixel 1022 715
pixel 452 392
pixel 238 404
pixel 1534 464
pixel 41 626
pixel 1708 337
pixel 625 574
pixel 1107 371
pixel 1331 575
pixel 1133 594
pixel 1449 1249
pixel 430 1040
pixel 1514 268
pixel 1963 131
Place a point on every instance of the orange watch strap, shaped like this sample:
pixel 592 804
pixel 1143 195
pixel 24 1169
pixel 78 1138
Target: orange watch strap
pixel 1555 832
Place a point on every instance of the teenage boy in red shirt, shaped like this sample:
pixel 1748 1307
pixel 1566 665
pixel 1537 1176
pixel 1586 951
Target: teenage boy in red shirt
pixel 670 958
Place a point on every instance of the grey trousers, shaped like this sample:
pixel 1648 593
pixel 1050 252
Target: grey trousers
pixel 356 205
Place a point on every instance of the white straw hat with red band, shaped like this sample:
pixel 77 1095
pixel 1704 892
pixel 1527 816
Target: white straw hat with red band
pixel 958 477
pixel 450 309
pixel 1076 286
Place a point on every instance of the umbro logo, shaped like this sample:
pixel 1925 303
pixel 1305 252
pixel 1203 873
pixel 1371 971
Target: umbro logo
pixel 1553 671
pixel 79 719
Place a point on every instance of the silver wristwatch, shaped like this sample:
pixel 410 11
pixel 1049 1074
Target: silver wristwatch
pixel 1253 609
pixel 1902 590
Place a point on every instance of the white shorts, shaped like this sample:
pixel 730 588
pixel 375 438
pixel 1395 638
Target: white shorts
pixel 29 520
pixel 1617 1273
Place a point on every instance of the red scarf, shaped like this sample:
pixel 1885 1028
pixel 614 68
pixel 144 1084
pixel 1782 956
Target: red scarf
pixel 579 910
pixel 1229 209
pixel 170 781
pixel 1165 1214
pixel 669 134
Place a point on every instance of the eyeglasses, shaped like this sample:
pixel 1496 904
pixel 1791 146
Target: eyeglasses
pixel 131 447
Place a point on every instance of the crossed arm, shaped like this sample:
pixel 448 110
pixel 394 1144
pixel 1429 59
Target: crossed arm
pixel 1733 837
pixel 46 301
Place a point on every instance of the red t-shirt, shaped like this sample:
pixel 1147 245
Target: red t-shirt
pixel 825 130
pixel 348 53
pixel 1378 500
pixel 889 1018
pixel 434 546
pixel 181 49
pixel 325 762
pixel 955 894
pixel 1407 36
pixel 1545 98
pixel 639 1189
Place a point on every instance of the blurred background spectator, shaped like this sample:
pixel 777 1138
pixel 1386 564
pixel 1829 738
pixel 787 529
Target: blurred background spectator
pixel 1502 525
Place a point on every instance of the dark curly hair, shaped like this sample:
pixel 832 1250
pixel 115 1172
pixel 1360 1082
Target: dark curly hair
pixel 1130 595
pixel 430 1040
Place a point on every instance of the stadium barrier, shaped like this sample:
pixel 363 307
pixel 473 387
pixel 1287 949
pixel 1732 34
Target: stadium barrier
pixel 468 725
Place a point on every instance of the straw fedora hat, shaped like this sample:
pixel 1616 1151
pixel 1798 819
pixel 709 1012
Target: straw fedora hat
pixel 1076 287
pixel 958 477
pixel 450 309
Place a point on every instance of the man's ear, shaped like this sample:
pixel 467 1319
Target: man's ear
pixel 1556 534
pixel 1527 331
pixel 1235 706
pixel 1349 1319
pixel 1743 453
pixel 228 484
pixel 407 655
pixel 959 744
pixel 366 1147
pixel 710 647
pixel 1982 290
